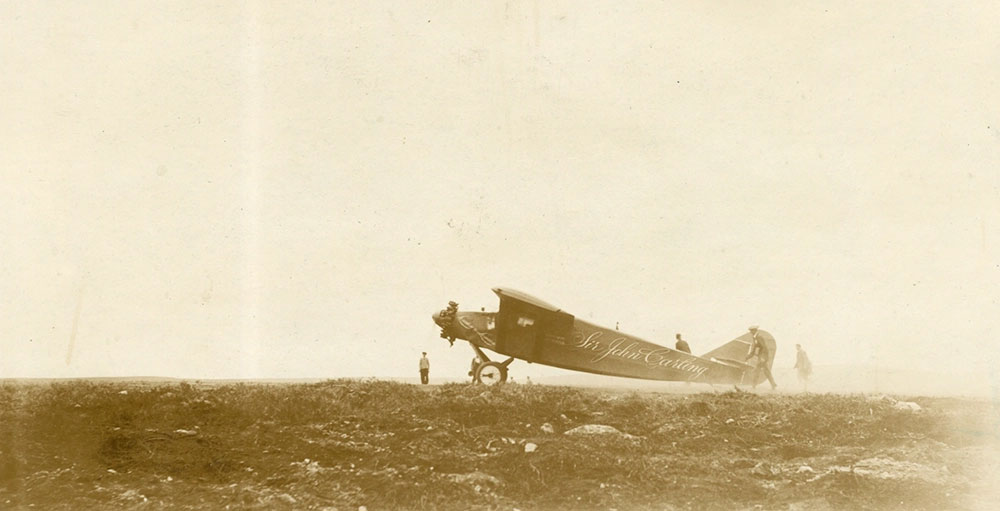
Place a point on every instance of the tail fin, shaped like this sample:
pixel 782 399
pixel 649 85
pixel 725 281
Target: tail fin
pixel 734 353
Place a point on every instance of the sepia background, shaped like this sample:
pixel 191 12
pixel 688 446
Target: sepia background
pixel 289 190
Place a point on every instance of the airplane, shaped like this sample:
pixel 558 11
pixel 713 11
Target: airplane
pixel 532 330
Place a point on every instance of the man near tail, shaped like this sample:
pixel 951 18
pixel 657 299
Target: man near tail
pixel 804 366
pixel 759 351
pixel 682 345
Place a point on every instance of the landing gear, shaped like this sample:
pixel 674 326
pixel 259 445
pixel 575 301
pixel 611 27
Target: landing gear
pixel 491 373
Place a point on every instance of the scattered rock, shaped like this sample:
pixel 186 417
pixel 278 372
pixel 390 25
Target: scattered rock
pixel 185 432
pixel 817 504
pixel 308 466
pixel 284 497
pixel 475 478
pixel 730 421
pixel 547 428
pixel 133 495
pixel 764 469
pixel 596 429
pixel 886 468
pixel 530 447
pixel 805 469
pixel 124 392
pixel 878 398
pixel 907 405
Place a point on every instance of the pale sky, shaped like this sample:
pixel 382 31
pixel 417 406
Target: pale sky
pixel 290 189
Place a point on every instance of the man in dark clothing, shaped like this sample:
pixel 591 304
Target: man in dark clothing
pixel 425 368
pixel 760 353
pixel 473 368
pixel 682 345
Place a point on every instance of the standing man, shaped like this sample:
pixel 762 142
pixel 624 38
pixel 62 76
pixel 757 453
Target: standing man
pixel 682 345
pixel 760 351
pixel 804 366
pixel 425 369
pixel 473 368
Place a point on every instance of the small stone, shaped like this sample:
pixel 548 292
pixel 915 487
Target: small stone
pixel 547 428
pixel 475 479
pixel 530 447
pixel 596 429
pixel 764 470
pixel 909 406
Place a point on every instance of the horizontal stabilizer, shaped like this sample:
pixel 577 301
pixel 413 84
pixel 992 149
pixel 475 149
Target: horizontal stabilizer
pixel 735 352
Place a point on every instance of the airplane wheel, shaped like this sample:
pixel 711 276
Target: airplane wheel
pixel 491 373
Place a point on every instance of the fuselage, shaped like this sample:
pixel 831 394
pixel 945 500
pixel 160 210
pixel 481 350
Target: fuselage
pixel 587 347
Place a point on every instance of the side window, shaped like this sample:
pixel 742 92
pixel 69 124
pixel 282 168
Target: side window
pixel 525 321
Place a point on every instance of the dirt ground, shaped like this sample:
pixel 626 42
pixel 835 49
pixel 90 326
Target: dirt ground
pixel 346 444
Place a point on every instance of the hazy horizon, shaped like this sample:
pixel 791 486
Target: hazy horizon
pixel 840 379
pixel 251 190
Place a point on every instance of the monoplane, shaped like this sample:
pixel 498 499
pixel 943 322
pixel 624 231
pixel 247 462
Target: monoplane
pixel 529 329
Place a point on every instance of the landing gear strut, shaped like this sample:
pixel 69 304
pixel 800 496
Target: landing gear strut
pixel 489 372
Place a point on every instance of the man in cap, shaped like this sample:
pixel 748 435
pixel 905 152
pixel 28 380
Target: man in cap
pixel 682 345
pixel 759 351
pixel 425 368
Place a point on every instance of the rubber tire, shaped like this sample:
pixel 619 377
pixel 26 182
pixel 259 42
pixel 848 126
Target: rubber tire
pixel 491 373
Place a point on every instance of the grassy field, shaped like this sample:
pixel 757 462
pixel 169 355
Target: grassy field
pixel 343 444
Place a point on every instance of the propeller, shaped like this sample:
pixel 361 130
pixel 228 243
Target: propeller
pixel 444 319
